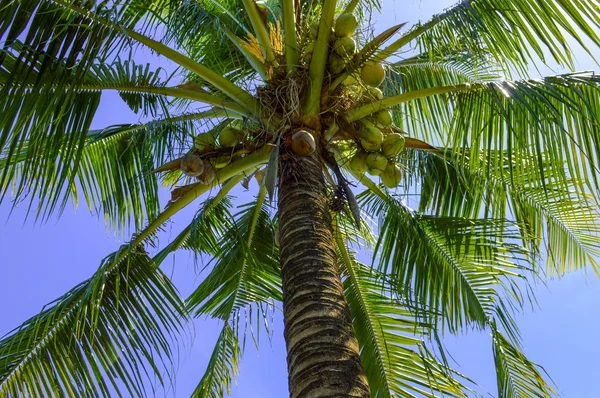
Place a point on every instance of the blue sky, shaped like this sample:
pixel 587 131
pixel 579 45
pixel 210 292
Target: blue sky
pixel 40 262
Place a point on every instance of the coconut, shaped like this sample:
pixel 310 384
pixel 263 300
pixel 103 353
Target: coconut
pixel 345 47
pixel 371 138
pixel 221 161
pixel 391 176
pixel 384 118
pixel 208 175
pixel 376 163
pixel 372 74
pixel 192 165
pixel 376 93
pixel 229 137
pixel 303 143
pixel 392 145
pixel 204 141
pixel 336 63
pixel 345 25
pixel 308 52
pixel 358 162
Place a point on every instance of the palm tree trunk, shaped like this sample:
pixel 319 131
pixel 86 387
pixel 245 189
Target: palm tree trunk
pixel 322 350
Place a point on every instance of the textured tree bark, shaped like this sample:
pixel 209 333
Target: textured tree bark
pixel 322 350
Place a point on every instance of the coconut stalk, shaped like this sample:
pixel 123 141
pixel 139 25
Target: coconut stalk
pixel 372 107
pixel 316 71
pixel 256 63
pixel 289 28
pixel 260 30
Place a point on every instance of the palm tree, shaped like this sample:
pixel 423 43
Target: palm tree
pixel 489 180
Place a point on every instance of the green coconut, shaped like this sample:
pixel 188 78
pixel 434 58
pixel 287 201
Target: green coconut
pixel 221 161
pixel 371 139
pixel 391 176
pixel 376 161
pixel 384 118
pixel 204 141
pixel 392 145
pixel 372 74
pixel 345 47
pixel 229 137
pixel 345 25
pixel 376 93
pixel 308 52
pixel 336 63
pixel 358 163
pixel 192 165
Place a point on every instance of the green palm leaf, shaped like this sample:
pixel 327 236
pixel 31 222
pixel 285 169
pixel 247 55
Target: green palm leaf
pixel 245 270
pixel 457 267
pixel 222 366
pixel 115 325
pixel 394 355
pixel 517 376
pixel 112 171
pixel 513 33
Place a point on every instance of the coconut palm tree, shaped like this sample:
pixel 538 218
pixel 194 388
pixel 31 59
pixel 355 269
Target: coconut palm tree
pixel 430 147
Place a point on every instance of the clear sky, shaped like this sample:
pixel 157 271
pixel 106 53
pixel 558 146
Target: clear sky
pixel 39 262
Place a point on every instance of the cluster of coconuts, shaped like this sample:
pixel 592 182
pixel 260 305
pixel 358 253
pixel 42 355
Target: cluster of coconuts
pixel 344 48
pixel 204 169
pixel 378 150
pixel 377 153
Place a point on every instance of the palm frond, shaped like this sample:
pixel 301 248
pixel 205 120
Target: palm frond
pixel 553 120
pixel 117 325
pixel 459 268
pixel 222 366
pixel 203 30
pixel 112 169
pixel 393 350
pixel 430 117
pixel 559 224
pixel 512 33
pixel 516 375
pixel 246 268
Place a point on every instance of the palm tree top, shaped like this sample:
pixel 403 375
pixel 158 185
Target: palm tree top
pixel 464 174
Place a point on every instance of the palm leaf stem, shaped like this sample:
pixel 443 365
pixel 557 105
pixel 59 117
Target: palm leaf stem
pixel 404 40
pixel 289 28
pixel 351 6
pixel 254 159
pixel 262 35
pixel 365 54
pixel 372 107
pixel 316 71
pixel 183 235
pixel 234 92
